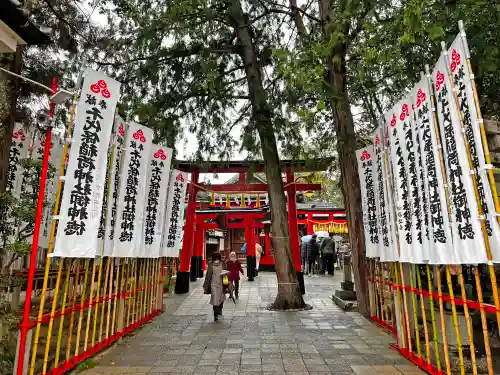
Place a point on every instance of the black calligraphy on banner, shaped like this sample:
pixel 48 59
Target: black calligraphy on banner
pixel 381 193
pixel 456 183
pixel 404 220
pixel 371 208
pixel 102 222
pixel 435 207
pixel 157 166
pixel 412 171
pixel 175 216
pixel 460 86
pixel 116 179
pixel 131 188
pixel 18 139
pixel 422 191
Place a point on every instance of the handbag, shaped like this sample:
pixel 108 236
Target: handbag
pixel 336 266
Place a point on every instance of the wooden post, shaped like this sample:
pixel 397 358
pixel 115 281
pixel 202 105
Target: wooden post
pixel 250 241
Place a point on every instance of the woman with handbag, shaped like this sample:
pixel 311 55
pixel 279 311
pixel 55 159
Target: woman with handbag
pixel 214 285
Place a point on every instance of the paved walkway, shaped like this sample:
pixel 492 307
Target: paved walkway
pixel 251 340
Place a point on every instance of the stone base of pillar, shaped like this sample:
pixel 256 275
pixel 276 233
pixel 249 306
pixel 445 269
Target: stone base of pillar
pixel 182 283
pixel 251 263
pixel 200 267
pixel 300 279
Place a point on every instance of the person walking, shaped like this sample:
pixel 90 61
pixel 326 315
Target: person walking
pixel 213 284
pixel 328 255
pixel 312 251
pixel 234 268
pixel 303 255
pixel 258 254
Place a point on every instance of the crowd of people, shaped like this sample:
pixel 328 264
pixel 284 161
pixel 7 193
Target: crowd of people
pixel 322 256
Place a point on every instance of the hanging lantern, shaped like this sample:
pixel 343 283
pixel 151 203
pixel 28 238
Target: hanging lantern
pixel 212 199
pixel 242 204
pixel 228 201
pixel 257 203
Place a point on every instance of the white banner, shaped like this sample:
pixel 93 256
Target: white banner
pixel 457 59
pixel 114 184
pixel 128 234
pixel 366 171
pixel 156 200
pixel 468 239
pixel 56 154
pixel 175 214
pixel 86 172
pixel 387 249
pixel 399 125
pixel 19 150
pixel 441 247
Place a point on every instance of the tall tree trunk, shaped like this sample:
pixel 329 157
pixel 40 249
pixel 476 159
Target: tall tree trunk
pixel 346 148
pixel 9 91
pixel 289 296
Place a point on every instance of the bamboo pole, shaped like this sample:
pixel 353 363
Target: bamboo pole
pixel 101 322
pixel 145 288
pixel 415 318
pixel 51 319
pixel 491 175
pixel 73 304
pixel 128 288
pixel 424 318
pixel 111 281
pixel 433 317
pixel 54 224
pixel 82 310
pixel 118 288
pixel 441 315
pixel 484 322
pixel 96 309
pixel 455 319
pixel 91 301
pixel 61 318
pixel 408 328
pixel 132 286
pixel 400 302
pixel 468 321
pixel 135 288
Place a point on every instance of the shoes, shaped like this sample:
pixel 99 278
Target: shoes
pixel 216 317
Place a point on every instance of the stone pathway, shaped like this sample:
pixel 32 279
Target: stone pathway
pixel 251 340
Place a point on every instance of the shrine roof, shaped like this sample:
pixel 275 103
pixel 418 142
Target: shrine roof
pixel 15 19
pixel 211 166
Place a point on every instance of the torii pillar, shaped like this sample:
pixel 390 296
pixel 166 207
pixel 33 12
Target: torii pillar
pixel 293 228
pixel 198 247
pixel 182 282
pixel 250 241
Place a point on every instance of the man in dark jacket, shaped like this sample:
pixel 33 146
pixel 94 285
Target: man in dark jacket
pixel 328 255
pixel 312 253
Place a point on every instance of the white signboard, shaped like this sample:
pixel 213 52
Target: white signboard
pixel 86 172
pixel 366 171
pixel 175 214
pixel 19 150
pixel 156 200
pixel 468 239
pixel 128 234
pixel 470 120
pixel 114 184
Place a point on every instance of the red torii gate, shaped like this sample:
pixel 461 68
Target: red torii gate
pixel 242 167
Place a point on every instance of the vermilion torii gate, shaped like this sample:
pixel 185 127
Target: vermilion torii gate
pixel 192 248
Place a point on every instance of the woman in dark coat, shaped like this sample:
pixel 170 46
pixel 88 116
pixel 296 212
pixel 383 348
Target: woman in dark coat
pixel 213 284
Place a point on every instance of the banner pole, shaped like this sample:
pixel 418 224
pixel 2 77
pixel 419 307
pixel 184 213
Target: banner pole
pixel 61 318
pixel 53 228
pixel 433 316
pixel 437 271
pixel 103 307
pixel 73 304
pixel 82 309
pixel 415 318
pixel 487 157
pixel 424 318
pixel 111 262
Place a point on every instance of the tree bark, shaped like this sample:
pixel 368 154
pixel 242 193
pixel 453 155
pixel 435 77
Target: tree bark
pixel 289 296
pixel 346 148
pixel 9 91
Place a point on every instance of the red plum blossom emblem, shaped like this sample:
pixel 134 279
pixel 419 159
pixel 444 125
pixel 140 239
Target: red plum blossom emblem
pixel 101 87
pixel 179 178
pixel 439 80
pixel 365 155
pixel 404 112
pixel 420 97
pixel 139 135
pixel 455 60
pixel 160 154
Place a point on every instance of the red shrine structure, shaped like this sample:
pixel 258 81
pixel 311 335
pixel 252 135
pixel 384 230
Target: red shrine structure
pixel 237 212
